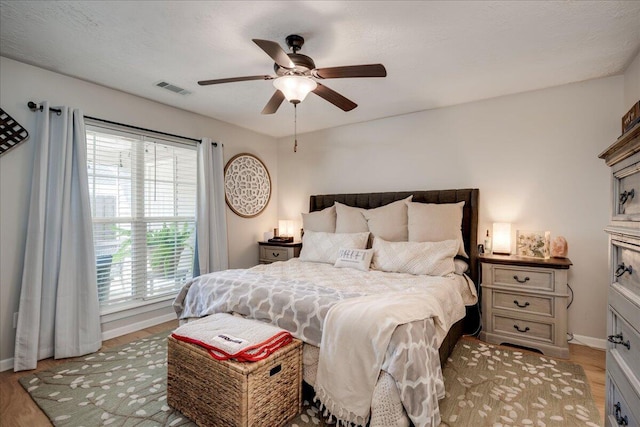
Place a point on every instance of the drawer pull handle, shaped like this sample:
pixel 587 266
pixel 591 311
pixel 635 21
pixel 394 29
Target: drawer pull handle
pixel 275 255
pixel 517 328
pixel 623 269
pixel 526 304
pixel 625 196
pixel 517 279
pixel 622 421
pixel 619 339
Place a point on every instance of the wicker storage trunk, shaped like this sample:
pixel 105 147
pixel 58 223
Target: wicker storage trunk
pixel 228 393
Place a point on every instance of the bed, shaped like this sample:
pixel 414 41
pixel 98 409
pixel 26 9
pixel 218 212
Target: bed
pixel 320 303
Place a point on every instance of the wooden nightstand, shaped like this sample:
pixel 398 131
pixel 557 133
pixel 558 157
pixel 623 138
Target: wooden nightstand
pixel 272 252
pixel 524 302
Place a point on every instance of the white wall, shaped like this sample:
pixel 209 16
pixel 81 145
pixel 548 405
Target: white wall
pixel 534 157
pixel 20 83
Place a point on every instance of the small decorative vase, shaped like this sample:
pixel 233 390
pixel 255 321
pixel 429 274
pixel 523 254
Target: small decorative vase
pixel 559 247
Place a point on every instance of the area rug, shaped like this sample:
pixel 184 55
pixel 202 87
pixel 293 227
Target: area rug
pixel 126 386
pixel 490 386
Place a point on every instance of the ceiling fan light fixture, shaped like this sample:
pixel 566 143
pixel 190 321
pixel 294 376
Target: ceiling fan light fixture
pixel 295 88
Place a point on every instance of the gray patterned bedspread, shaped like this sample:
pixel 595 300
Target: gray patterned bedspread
pixel 300 307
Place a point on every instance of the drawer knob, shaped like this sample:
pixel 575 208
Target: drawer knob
pixel 619 339
pixel 623 269
pixel 625 196
pixel 526 304
pixel 275 255
pixel 525 280
pixel 517 328
pixel 622 421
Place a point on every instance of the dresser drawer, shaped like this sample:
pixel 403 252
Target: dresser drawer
pixel 618 411
pixel 524 277
pixel 622 389
pixel 523 303
pixel 273 253
pixel 626 193
pixel 624 340
pixel 524 329
pixel 626 265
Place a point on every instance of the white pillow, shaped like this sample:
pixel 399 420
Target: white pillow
pixel 324 220
pixel 430 222
pixel 419 258
pixel 318 246
pixel 360 259
pixel 350 219
pixel 388 221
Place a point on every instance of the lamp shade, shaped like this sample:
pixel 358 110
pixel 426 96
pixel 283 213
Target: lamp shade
pixel 295 88
pixel 502 238
pixel 286 228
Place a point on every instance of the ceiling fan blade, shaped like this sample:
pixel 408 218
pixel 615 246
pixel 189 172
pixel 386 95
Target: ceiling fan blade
pixel 274 50
pixel 274 103
pixel 371 70
pixel 334 97
pixel 233 79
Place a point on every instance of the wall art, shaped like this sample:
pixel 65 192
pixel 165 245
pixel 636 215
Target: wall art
pixel 247 185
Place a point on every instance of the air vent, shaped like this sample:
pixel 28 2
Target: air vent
pixel 173 88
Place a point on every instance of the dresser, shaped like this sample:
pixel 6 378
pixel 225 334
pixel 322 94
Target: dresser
pixel 622 406
pixel 524 302
pixel 271 252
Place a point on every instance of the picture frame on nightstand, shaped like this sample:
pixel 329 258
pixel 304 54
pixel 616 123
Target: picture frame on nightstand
pixel 535 244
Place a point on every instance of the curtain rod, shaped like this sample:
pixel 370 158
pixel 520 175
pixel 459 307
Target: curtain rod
pixel 35 107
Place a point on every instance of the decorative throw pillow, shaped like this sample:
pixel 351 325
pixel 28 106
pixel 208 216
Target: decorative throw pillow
pixel 388 221
pixel 430 222
pixel 324 220
pixel 318 246
pixel 360 259
pixel 350 219
pixel 419 258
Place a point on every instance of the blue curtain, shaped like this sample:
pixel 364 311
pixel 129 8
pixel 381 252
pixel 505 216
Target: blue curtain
pixel 211 252
pixel 59 314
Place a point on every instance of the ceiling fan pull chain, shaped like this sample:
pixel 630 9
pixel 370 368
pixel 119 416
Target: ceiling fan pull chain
pixel 295 128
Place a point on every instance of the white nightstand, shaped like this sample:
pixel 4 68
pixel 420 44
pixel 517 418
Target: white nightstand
pixel 272 252
pixel 524 302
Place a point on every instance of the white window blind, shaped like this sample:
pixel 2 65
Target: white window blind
pixel 143 201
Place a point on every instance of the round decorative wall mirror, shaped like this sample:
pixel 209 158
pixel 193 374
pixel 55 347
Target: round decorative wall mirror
pixel 247 185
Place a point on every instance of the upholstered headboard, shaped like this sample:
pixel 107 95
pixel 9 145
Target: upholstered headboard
pixel 373 200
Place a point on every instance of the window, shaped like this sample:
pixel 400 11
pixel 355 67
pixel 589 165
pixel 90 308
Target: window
pixel 143 203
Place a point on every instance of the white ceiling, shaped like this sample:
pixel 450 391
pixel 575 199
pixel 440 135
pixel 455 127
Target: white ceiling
pixel 437 53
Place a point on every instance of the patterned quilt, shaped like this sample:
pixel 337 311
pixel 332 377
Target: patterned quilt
pixel 284 295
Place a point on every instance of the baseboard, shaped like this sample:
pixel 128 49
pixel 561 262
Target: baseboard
pixel 133 327
pixel 599 343
pixel 6 364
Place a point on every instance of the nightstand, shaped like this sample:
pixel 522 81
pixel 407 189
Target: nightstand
pixel 524 302
pixel 272 252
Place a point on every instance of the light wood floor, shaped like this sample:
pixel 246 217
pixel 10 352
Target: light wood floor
pixel 17 409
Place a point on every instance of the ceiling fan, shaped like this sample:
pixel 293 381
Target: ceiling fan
pixel 296 76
